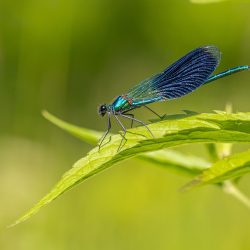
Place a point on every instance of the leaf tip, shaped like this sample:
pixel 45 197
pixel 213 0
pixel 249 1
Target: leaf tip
pixel 11 225
pixel 190 185
pixel 14 224
pixel 45 113
pixel 18 221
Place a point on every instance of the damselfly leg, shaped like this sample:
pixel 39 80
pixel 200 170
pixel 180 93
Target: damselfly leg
pixel 132 121
pixel 161 117
pixel 127 116
pixel 141 122
pixel 122 135
pixel 105 134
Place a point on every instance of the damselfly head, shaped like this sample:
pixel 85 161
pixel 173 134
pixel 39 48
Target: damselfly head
pixel 102 110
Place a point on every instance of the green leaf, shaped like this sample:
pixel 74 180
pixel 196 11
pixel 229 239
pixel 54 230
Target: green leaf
pixel 175 161
pixel 215 127
pixel 88 135
pixel 228 168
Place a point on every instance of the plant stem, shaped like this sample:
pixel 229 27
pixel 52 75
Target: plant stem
pixel 230 188
pixel 220 151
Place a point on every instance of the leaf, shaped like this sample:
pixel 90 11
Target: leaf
pixel 173 160
pixel 228 168
pixel 177 162
pixel 218 127
pixel 88 135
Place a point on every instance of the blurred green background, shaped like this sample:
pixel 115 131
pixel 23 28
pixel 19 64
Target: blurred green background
pixel 70 56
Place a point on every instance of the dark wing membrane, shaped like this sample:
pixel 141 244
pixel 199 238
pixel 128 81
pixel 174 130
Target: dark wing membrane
pixel 181 78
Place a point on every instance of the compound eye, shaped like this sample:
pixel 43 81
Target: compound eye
pixel 102 110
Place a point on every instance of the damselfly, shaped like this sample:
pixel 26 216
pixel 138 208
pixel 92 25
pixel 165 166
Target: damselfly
pixel 182 77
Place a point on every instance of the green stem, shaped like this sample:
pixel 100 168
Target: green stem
pixel 220 151
pixel 230 188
